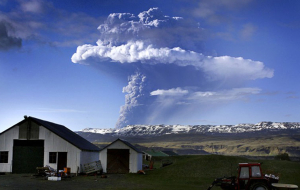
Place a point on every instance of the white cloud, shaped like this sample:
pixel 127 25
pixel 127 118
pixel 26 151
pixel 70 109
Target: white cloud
pixel 3 2
pixel 169 92
pixel 136 51
pixel 150 26
pixel 28 22
pixel 32 6
pixel 247 31
pixel 192 97
pixel 212 9
pixel 6 41
pixel 237 68
pixel 122 41
pixel 224 96
pixel 216 68
pixel 176 102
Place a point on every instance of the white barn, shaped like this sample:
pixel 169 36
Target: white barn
pixel 35 143
pixel 121 157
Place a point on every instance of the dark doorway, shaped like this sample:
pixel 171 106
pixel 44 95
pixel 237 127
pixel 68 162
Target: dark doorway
pixel 27 155
pixel 62 160
pixel 117 161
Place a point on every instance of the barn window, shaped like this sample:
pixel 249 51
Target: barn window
pixel 4 157
pixel 52 157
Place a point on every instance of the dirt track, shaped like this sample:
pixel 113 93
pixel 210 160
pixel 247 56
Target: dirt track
pixel 28 181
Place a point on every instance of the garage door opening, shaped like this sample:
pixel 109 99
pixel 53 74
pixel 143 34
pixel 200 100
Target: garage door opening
pixel 117 160
pixel 27 155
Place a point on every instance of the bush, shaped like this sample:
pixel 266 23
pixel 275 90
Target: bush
pixel 283 156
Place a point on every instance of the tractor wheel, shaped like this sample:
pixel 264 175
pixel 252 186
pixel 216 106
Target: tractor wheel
pixel 259 186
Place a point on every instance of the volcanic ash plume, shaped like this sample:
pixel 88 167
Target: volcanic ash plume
pixel 134 100
pixel 171 74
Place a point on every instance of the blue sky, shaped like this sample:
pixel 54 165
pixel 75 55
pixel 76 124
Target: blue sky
pixel 106 64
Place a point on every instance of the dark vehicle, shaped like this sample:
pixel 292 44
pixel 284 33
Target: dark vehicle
pixel 250 177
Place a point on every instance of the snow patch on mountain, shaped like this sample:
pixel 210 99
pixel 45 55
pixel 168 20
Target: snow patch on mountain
pixel 157 130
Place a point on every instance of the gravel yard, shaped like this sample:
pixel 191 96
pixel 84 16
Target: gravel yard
pixel 29 181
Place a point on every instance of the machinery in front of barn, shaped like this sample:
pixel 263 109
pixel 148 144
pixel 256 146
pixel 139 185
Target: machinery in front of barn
pixel 250 177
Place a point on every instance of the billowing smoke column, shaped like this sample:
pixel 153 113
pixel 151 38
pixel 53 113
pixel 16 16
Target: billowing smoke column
pixel 134 99
pixel 168 74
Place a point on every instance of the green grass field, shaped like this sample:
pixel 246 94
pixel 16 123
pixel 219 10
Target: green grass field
pixel 198 172
pixel 186 173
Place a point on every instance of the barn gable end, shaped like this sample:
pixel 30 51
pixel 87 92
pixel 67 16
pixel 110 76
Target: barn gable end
pixel 35 143
pixel 121 157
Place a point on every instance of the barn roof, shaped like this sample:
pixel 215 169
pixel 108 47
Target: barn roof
pixel 155 153
pixel 64 133
pixel 169 152
pixel 126 143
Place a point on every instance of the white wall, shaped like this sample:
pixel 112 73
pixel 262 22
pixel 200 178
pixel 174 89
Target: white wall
pixel 54 143
pixel 135 158
pixel 6 144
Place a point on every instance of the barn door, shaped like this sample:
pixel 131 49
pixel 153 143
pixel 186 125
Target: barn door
pixel 62 160
pixel 117 161
pixel 27 155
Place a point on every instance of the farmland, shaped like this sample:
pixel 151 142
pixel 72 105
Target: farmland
pixel 187 172
pixel 233 145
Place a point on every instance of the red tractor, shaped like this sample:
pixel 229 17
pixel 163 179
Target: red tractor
pixel 250 177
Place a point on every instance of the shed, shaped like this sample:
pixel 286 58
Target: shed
pixel 121 157
pixel 170 153
pixel 35 143
pixel 150 153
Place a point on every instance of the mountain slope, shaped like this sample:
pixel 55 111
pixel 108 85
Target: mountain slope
pixel 158 130
pixel 261 139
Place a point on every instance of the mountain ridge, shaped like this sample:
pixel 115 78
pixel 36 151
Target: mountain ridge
pixel 260 139
pixel 159 130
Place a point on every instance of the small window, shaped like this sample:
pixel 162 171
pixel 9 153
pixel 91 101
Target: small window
pixel 4 157
pixel 244 172
pixel 52 157
pixel 255 171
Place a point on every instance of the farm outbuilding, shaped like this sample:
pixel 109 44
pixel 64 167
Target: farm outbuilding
pixel 121 157
pixel 35 143
pixel 169 152
pixel 153 153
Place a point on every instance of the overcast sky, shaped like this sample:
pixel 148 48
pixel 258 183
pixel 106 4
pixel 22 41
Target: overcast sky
pixel 111 63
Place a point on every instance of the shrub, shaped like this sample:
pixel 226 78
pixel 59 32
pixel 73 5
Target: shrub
pixel 283 156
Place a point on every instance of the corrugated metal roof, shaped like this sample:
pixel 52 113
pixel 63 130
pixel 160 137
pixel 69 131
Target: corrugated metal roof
pixel 125 142
pixel 63 132
pixel 67 134
pixel 170 153
pixel 155 153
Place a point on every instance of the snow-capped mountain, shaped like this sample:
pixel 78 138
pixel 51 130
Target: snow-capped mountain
pixel 158 130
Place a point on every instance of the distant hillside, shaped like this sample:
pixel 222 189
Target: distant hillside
pixel 158 130
pixel 261 139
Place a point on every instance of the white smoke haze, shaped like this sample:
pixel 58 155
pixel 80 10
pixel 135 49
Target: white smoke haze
pixel 169 73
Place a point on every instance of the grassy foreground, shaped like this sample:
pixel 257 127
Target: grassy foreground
pixel 198 172
pixel 187 172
